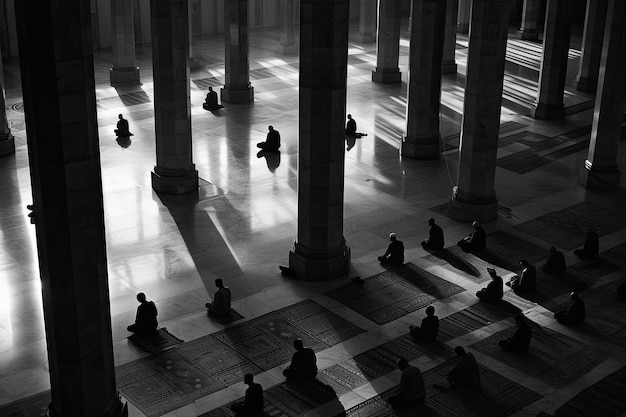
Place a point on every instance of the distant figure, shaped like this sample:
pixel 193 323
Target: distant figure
pixel 210 102
pixel 351 130
pixel 146 318
pixel 395 252
pixel 221 300
pixel 521 338
pixel 465 373
pixel 272 140
pixel 429 329
pixel 253 404
pixel 574 313
pixel 590 248
pixel 494 290
pixel 435 237
pixel 411 390
pixel 476 241
pixel 303 366
pixel 555 265
pixel 122 127
pixel 526 281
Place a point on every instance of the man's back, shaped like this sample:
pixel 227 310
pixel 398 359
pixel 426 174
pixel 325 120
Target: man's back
pixel 396 250
pixel 222 299
pixel 304 361
pixel 146 315
pixel 253 401
pixel 435 238
pixel 412 385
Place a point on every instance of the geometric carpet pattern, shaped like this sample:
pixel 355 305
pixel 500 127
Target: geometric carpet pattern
pixel 475 317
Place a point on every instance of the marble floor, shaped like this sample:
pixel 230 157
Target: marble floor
pixel 243 221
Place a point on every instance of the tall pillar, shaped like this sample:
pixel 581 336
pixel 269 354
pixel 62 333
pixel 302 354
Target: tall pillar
pixel 7 141
pixel 595 17
pixel 556 36
pixel 64 160
pixel 288 34
pixel 600 170
pixel 320 251
pixel 530 20
pixel 367 22
pixel 465 15
pixel 124 70
pixel 449 44
pixel 175 172
pixel 388 43
pixel 422 137
pixel 474 196
pixel 194 59
pixel 238 88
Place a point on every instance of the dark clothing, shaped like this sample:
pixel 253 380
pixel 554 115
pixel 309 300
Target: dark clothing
pixel 394 254
pixel 146 319
pixel 210 102
pixel 351 127
pixel 411 390
pixel 474 242
pixel 520 341
pixel 465 373
pixel 526 282
pixel 493 292
pixel 573 314
pixel 590 249
pixel 252 404
pixel 428 330
pixel 122 128
pixel 555 264
pixel 435 238
pixel 272 141
pixel 303 365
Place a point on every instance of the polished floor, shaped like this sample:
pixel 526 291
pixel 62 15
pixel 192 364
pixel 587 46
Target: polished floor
pixel 242 223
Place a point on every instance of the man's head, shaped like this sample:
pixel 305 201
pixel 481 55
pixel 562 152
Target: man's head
pixel 120 116
pixel 392 236
pixel 298 344
pixel 431 221
pixel 459 351
pixel 248 379
pixel 475 225
pixel 141 297
pixel 270 128
pixel 402 364
pixel 349 116
pixel 552 249
pixel 574 296
pixel 523 263
pixel 219 283
pixel 210 88
pixel 430 310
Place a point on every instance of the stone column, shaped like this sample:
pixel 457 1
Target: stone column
pixel 474 196
pixel 237 88
pixel 64 160
pixel 175 172
pixel 530 20
pixel 556 36
pixel 194 59
pixel 465 15
pixel 388 43
pixel 587 78
pixel 124 70
pixel 600 170
pixel 288 35
pixel 449 48
pixel 320 251
pixel 367 22
pixel 428 28
pixel 7 141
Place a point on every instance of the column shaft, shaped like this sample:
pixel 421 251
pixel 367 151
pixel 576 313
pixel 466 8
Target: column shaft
pixel 288 34
pixel 124 70
pixel 595 17
pixel 320 251
pixel 530 20
pixel 388 43
pixel 175 172
pixel 237 66
pixel 7 141
pixel 449 48
pixel 367 22
pixel 474 197
pixel 465 15
pixel 64 160
pixel 424 86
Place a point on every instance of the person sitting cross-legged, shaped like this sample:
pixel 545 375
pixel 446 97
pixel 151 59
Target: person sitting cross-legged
pixel 303 366
pixel 474 242
pixel 591 247
pixel 146 318
pixel 272 140
pixel 494 290
pixel 411 390
pixel 574 313
pixel 435 237
pixel 465 374
pixel 395 252
pixel 253 404
pixel 429 329
pixel 221 300
pixel 555 265
pixel 521 338
pixel 526 281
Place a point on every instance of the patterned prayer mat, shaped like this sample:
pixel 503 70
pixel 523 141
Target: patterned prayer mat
pixel 505 250
pixel 475 317
pixel 603 399
pixel 33 406
pixel 230 317
pixel 156 341
pixel 467 265
pixel 608 261
pixel 391 294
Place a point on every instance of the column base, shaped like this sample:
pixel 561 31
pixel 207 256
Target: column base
pixel 528 35
pixel 449 67
pixel 124 75
pixel 237 95
pixel 316 268
pixel 365 38
pixel 547 111
pixel 175 183
pixel 482 212
pixel 588 85
pixel 428 148
pixel 288 49
pixel 119 410
pixel 7 145
pixel 387 76
pixel 462 28
pixel 603 179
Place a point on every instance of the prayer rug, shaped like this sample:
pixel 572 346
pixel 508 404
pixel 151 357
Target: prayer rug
pixel 394 293
pixel 33 406
pixel 476 317
pixel 230 317
pixel 343 377
pixel 506 250
pixel 465 264
pixel 375 406
pixel 605 398
pixel 156 341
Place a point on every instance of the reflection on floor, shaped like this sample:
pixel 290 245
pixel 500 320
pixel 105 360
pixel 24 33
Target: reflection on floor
pixel 242 224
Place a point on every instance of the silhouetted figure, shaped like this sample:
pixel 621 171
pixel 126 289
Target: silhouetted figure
pixel 429 329
pixel 494 290
pixel 253 404
pixel 272 140
pixel 411 390
pixel 395 252
pixel 351 129
pixel 435 237
pixel 591 247
pixel 210 102
pixel 146 318
pixel 476 241
pixel 555 265
pixel 221 300
pixel 521 338
pixel 526 281
pixel 122 127
pixel 272 159
pixel 303 366
pixel 123 141
pixel 574 313
pixel 465 374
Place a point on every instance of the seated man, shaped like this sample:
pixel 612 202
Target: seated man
pixel 210 102
pixel 574 313
pixel 395 252
pixel 494 290
pixel 351 129
pixel 146 318
pixel 476 241
pixel 221 300
pixel 465 374
pixel 253 403
pixel 411 390
pixel 429 329
pixel 272 140
pixel 526 281
pixel 521 338
pixel 590 248
pixel 122 127
pixel 303 366
pixel 555 265
pixel 435 237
